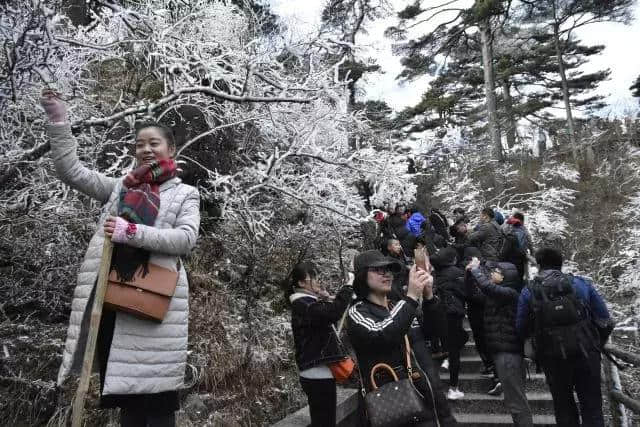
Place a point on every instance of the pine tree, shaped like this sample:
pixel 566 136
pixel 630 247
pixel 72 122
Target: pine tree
pixel 525 72
pixel 421 55
pixel 561 18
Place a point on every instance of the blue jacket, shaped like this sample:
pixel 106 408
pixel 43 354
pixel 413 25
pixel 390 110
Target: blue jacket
pixel 415 222
pixel 585 292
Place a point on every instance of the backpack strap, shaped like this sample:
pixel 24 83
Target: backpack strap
pixel 586 310
pixel 535 288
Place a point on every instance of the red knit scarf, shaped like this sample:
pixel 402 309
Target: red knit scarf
pixel 139 203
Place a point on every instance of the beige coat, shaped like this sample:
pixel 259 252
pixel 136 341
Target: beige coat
pixel 145 357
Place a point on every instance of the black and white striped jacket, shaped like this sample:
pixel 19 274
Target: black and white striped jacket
pixel 377 334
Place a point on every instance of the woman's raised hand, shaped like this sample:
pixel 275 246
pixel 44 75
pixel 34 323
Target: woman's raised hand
pixel 54 107
pixel 418 280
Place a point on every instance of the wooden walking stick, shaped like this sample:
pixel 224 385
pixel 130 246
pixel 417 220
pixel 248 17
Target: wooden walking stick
pixel 92 338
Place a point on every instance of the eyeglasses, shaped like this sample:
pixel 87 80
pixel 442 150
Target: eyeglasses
pixel 381 270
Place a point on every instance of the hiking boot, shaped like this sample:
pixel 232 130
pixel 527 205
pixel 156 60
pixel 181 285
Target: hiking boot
pixel 496 390
pixel 454 394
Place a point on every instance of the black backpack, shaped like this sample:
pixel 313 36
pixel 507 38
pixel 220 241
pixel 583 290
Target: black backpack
pixel 562 325
pixel 439 223
pixel 510 247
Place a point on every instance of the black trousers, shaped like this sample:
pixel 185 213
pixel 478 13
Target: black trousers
pixel 432 370
pixel 456 339
pixel 583 376
pixel 321 395
pixel 476 321
pixel 139 418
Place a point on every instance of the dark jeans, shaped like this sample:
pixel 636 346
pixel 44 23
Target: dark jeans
pixel 321 395
pixel 510 370
pixel 583 376
pixel 135 418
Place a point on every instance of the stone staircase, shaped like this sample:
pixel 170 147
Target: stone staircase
pixel 477 408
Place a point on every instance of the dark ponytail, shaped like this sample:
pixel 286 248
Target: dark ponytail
pixel 300 272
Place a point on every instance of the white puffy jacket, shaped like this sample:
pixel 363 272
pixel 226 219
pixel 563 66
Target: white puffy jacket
pixel 145 357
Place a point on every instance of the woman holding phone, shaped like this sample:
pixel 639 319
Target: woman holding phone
pixel 152 218
pixel 377 327
pixel 313 314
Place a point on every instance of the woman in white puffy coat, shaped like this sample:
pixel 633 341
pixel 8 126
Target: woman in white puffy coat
pixel 142 363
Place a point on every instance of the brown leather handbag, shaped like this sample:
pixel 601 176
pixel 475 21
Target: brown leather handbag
pixel 396 403
pixel 146 297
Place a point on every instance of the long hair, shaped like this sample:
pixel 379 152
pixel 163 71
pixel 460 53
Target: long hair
pixel 360 284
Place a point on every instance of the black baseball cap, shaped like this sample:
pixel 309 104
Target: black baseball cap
pixel 374 258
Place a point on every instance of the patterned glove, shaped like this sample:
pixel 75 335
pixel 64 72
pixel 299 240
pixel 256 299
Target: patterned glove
pixel 124 230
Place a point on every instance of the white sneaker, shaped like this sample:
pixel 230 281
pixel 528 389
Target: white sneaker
pixel 454 394
pixel 445 364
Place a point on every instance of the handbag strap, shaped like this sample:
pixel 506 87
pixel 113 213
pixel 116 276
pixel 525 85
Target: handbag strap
pixel 381 366
pixel 338 330
pixel 341 323
pixel 408 356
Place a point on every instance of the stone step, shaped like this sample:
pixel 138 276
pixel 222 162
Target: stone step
pixel 346 411
pixel 499 420
pixel 469 364
pixel 469 349
pixel 475 383
pixel 540 403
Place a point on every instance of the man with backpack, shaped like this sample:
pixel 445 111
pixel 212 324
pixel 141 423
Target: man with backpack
pixel 569 322
pixel 515 225
pixel 516 241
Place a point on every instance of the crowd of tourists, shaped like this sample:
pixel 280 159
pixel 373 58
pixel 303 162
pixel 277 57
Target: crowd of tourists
pixel 409 319
pixel 404 311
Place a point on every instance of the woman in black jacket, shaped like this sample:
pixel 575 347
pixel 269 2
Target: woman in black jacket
pixel 312 316
pixel 377 327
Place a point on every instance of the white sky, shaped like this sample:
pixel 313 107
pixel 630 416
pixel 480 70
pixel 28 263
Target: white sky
pixel 619 56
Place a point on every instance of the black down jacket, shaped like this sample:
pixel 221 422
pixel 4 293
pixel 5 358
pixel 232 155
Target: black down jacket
pixel 500 308
pixel 311 320
pixel 449 281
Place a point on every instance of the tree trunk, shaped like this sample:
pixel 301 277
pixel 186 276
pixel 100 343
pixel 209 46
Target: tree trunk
pixel 508 108
pixel 489 87
pixel 542 142
pixel 351 102
pixel 565 89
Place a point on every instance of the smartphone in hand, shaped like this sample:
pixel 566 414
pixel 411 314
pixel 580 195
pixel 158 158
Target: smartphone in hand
pixel 421 258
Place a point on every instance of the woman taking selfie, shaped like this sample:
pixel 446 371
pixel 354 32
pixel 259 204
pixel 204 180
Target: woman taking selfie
pixel 153 219
pixel 312 317
pixel 379 329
